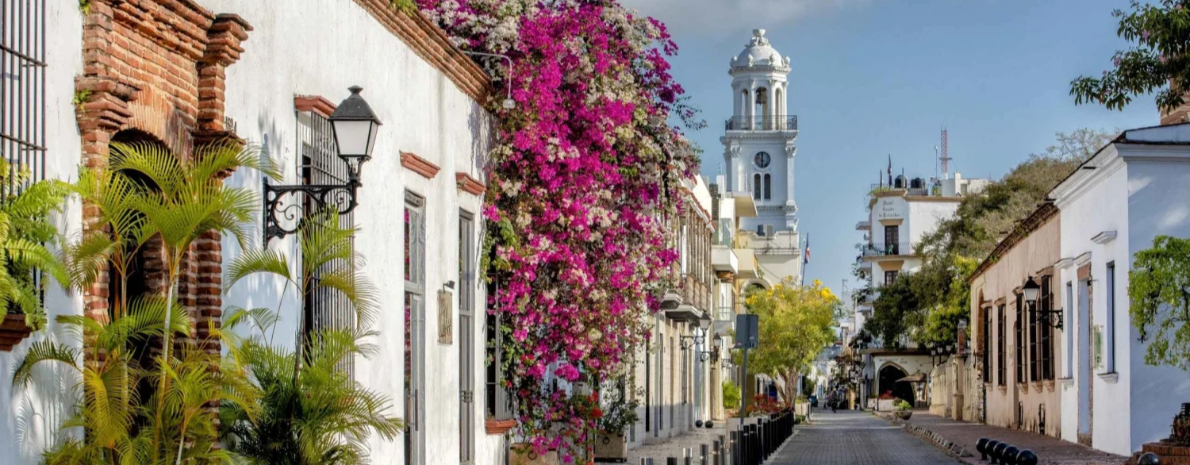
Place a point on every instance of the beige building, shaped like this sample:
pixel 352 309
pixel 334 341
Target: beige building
pixel 1015 346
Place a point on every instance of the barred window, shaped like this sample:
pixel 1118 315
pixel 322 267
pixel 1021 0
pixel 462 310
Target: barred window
pixel 987 343
pixel 1019 340
pixel 1001 335
pixel 1047 332
pixel 22 99
pixel 323 308
pixel 1034 354
pixel 22 92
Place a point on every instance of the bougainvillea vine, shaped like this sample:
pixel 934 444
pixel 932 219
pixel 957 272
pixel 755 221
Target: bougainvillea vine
pixel 585 171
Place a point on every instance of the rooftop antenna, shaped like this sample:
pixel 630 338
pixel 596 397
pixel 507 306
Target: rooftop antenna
pixel 945 158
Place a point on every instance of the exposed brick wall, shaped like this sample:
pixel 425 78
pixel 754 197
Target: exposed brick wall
pixel 159 67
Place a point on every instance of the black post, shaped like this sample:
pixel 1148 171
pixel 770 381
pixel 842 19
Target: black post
pixel 702 452
pixel 722 451
pixel 735 448
pixel 715 444
pixel 686 458
pixel 671 461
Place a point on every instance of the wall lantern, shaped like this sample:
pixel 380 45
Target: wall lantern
pixel 355 127
pixel 700 333
pixel 1031 289
pixel 712 354
pixel 1052 317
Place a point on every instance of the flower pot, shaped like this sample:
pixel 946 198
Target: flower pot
pixel 903 414
pixel 611 448
pixel 523 454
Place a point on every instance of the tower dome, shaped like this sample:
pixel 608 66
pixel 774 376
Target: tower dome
pixel 758 52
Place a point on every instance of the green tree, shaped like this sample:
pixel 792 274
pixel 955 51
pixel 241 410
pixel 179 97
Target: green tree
pixel 1157 61
pixel 795 324
pixel 1159 296
pixel 312 411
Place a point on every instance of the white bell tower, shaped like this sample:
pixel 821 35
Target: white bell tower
pixel 760 146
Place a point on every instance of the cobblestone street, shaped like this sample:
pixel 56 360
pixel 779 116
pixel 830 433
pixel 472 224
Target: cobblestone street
pixel 856 438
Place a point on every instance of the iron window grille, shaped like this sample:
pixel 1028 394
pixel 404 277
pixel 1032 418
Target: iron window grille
pixel 1019 340
pixel 1034 354
pixel 1047 332
pixel 987 343
pixel 324 308
pixel 1001 335
pixel 466 338
pixel 22 99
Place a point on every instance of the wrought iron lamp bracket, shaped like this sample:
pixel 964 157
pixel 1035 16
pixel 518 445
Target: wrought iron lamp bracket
pixel 1053 318
pixel 285 205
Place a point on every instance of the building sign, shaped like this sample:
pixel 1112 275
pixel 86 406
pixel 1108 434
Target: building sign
pixel 445 322
pixel 887 209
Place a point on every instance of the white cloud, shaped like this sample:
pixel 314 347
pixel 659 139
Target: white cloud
pixel 715 17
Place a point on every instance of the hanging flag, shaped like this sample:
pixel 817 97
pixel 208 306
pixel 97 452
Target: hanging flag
pixel 807 249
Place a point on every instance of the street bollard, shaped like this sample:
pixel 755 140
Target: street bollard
pixel 687 459
pixel 734 448
pixel 671 461
pixel 646 461
pixel 722 451
pixel 715 452
pixel 702 453
pixel 1148 458
pixel 1009 455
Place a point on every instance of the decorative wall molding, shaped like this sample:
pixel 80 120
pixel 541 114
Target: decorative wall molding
pixel 419 165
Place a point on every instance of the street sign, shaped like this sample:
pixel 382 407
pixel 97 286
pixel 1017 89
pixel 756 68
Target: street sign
pixel 747 330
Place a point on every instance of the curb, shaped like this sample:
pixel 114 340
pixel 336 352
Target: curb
pixel 938 441
pixel 932 438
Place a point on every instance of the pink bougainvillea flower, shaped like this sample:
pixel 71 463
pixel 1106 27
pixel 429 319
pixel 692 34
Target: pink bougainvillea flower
pixel 585 173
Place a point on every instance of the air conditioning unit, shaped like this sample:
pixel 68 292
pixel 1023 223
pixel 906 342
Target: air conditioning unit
pixel 768 230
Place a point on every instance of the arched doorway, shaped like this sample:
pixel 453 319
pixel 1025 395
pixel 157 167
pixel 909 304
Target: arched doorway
pixel 889 375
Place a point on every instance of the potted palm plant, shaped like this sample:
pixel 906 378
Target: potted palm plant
pixel 620 414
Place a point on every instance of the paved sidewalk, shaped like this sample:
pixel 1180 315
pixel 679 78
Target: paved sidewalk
pixel 1049 450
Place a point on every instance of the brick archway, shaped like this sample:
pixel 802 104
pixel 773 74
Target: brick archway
pixel 158 67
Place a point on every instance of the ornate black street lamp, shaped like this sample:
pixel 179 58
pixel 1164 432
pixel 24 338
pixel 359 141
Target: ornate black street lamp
pixel 355 127
pixel 700 333
pixel 712 354
pixel 1032 292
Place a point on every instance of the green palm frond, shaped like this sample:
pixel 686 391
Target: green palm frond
pixel 253 262
pixel 44 351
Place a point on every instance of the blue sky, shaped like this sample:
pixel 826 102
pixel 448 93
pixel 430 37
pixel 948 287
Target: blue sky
pixel 878 77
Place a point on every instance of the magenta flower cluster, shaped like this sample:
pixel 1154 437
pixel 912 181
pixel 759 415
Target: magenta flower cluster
pixel 585 173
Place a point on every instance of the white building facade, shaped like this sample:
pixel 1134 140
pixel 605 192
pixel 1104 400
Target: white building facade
pixel 760 146
pixel 281 73
pixel 1113 206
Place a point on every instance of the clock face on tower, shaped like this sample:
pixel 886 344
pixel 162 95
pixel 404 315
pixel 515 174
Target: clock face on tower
pixel 762 160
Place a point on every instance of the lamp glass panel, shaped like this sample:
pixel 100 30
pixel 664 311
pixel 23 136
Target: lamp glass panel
pixel 352 137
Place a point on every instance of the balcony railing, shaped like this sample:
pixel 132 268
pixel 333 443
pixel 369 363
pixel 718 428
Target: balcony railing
pixel 887 249
pixel 762 123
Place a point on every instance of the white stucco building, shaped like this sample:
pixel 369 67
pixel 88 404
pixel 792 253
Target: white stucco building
pixel 274 84
pixel 1113 206
pixel 759 142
